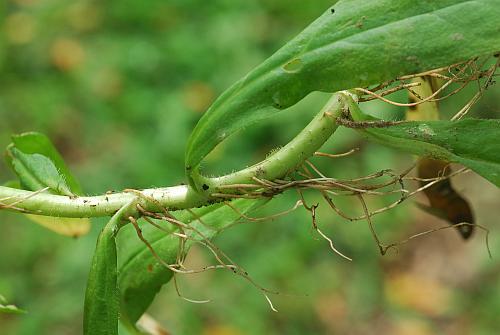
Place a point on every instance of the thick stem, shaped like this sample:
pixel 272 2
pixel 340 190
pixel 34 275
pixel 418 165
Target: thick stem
pixel 278 165
pixel 101 205
pixel 292 155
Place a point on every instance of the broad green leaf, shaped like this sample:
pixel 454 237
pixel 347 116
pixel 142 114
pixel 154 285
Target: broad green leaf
pixel 141 276
pixel 101 309
pixel 39 165
pixel 7 308
pixel 470 142
pixel 353 44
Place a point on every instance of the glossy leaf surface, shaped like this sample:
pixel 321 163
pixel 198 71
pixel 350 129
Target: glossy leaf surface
pixel 354 44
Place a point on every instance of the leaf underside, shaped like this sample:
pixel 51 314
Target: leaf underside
pixel 359 44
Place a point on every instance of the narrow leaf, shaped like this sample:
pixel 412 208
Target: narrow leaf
pixel 354 44
pixel 101 307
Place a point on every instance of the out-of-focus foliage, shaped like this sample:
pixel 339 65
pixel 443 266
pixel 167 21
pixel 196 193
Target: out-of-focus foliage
pixel 5 307
pixel 119 85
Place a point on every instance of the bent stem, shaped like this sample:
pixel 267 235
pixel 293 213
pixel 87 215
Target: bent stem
pixel 280 164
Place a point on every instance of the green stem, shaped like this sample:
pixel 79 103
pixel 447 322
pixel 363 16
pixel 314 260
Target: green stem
pixel 278 165
pixel 292 155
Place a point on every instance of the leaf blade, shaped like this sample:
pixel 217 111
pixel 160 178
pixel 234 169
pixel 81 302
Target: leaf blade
pixel 38 165
pixel 470 142
pixel 101 307
pixel 364 42
pixel 36 172
pixel 31 143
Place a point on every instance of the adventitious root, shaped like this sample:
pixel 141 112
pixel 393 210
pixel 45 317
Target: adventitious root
pixel 312 210
pixel 430 231
pixel 451 80
pixel 189 234
pixel 382 183
pixel 454 78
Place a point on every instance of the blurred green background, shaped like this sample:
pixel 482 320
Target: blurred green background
pixel 119 85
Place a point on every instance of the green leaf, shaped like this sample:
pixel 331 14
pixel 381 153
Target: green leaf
pixel 37 172
pixel 141 276
pixel 470 142
pixel 7 308
pixel 359 43
pixel 102 305
pixel 39 165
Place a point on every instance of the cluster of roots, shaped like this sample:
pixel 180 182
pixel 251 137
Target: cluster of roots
pixel 479 71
